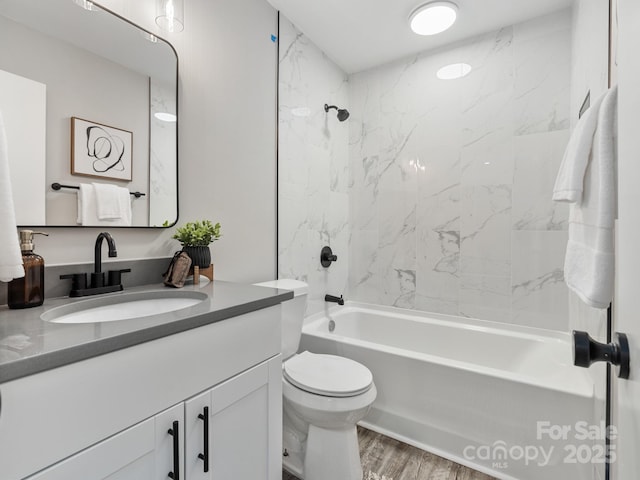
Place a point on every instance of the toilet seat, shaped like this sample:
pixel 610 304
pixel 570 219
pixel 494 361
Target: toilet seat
pixel 327 375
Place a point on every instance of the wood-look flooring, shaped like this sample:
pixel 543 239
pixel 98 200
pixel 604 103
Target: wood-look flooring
pixel 384 458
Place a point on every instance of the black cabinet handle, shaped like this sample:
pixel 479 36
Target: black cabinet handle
pixel 174 432
pixel 204 416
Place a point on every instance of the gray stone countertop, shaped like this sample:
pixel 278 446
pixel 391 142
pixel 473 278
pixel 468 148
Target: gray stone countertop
pixel 30 345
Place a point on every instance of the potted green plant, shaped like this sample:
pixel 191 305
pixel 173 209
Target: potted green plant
pixel 195 238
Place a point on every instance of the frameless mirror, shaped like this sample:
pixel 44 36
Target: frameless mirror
pixel 87 97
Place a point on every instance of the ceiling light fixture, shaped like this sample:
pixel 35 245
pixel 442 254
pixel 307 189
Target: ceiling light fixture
pixel 433 17
pixel 453 71
pixel 170 15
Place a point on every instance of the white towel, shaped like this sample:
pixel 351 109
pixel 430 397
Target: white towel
pixel 587 180
pixel 88 209
pixel 10 254
pixel 113 202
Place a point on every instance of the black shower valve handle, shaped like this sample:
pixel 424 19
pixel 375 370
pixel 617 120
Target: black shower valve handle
pixel 327 257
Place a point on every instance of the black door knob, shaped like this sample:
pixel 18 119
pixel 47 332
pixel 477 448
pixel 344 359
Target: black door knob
pixel 587 351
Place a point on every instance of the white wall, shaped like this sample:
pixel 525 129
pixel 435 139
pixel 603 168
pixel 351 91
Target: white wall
pixel 228 131
pixel 227 67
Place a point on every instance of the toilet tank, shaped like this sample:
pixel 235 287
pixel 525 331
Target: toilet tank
pixel 292 313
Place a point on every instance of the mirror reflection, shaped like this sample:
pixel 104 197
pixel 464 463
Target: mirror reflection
pixel 89 103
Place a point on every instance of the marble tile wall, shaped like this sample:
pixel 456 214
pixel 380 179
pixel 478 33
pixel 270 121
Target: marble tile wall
pixel 450 181
pixel 313 179
pixel 435 195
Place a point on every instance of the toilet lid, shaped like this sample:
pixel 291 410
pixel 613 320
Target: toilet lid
pixel 327 375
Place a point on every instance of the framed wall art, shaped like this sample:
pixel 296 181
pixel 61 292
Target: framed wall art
pixel 100 151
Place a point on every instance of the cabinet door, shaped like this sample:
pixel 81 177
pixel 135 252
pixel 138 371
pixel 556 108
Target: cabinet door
pixel 142 452
pixel 169 444
pixel 234 430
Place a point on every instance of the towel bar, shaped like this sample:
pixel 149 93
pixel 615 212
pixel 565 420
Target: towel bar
pixel 58 186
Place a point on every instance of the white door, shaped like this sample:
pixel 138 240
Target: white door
pixel 142 452
pixel 626 400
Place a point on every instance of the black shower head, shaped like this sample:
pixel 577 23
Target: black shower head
pixel 343 114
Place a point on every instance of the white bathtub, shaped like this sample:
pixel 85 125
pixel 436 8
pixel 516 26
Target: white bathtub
pixel 469 390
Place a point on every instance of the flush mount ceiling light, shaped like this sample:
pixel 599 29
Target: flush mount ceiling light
pixel 170 15
pixel 433 17
pixel 453 71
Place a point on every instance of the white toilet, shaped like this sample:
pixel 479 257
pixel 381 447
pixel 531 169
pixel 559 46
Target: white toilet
pixel 324 396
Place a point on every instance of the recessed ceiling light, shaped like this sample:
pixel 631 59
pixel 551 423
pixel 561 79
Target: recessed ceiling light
pixel 453 71
pixel 433 17
pixel 165 116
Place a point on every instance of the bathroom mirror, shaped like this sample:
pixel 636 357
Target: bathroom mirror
pixel 91 65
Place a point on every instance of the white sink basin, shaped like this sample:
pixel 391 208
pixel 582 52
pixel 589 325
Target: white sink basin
pixel 124 306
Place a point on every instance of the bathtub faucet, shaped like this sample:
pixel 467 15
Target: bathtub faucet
pixel 330 298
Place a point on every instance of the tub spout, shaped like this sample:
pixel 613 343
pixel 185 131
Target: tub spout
pixel 330 298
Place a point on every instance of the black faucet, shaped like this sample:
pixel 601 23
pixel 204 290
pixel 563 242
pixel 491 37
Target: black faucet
pixel 98 285
pixel 97 259
pixel 330 298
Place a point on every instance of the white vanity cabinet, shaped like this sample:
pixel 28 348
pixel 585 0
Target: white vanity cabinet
pixel 107 417
pixel 231 431
pixel 145 451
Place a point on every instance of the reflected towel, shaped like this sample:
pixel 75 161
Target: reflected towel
pixel 88 209
pixel 587 180
pixel 10 254
pixel 112 202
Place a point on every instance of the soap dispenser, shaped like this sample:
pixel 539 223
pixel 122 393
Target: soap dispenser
pixel 28 291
